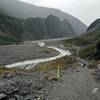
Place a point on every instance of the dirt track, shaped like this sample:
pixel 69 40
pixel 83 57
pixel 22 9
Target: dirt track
pixel 75 85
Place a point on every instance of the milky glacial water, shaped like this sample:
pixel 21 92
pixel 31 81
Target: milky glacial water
pixel 34 62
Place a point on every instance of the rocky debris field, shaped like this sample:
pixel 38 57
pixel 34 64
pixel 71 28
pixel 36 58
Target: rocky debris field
pixel 24 86
pixel 76 83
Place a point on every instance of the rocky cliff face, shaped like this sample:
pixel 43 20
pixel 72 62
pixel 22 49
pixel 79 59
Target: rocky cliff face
pixel 23 10
pixel 50 27
pixel 35 28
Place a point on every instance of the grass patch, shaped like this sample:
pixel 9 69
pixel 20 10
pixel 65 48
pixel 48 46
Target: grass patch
pixel 5 40
pixel 86 44
pixel 79 41
pixel 4 70
pixel 63 63
pixel 87 52
pixel 48 50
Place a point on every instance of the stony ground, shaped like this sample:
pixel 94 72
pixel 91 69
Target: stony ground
pixel 77 84
pixel 24 86
pixel 74 84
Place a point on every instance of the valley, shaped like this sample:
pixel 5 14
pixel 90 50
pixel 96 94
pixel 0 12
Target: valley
pixel 47 53
pixel 77 73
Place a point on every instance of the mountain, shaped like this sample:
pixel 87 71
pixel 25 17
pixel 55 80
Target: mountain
pixel 23 10
pixel 93 32
pixel 94 27
pixel 91 36
pixel 33 28
pixel 89 41
pixel 50 27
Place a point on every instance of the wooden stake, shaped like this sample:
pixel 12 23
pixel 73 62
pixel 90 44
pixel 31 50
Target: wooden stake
pixel 58 72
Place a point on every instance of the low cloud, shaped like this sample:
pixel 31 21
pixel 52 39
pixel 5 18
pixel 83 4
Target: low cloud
pixel 86 10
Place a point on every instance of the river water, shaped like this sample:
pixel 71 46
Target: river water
pixel 34 62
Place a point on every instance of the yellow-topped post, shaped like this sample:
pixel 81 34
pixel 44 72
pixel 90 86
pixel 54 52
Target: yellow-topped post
pixel 58 72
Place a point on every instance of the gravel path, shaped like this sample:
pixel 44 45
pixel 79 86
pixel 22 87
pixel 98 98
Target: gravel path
pixel 76 85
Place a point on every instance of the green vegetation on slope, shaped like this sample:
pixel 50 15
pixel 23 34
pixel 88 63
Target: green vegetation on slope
pixel 63 63
pixel 88 52
pixel 88 42
pixel 6 39
pixel 88 47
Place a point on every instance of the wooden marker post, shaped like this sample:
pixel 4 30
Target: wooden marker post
pixel 58 72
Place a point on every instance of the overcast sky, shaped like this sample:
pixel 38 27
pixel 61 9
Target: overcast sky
pixel 86 10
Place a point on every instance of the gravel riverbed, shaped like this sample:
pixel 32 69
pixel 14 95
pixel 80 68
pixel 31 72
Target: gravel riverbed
pixel 14 53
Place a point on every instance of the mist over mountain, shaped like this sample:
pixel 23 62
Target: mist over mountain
pixel 23 10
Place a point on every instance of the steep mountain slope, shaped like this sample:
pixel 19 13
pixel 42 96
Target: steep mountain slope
pixel 10 30
pixel 89 41
pixel 94 27
pixel 10 25
pixel 7 39
pixel 51 27
pixel 93 32
pixel 22 10
pixel 34 28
